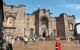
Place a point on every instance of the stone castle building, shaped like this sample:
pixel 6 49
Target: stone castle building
pixel 40 22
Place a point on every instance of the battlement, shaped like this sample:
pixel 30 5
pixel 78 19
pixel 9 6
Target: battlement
pixel 65 14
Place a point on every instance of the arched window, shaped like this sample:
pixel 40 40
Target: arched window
pixel 31 31
pixel 70 26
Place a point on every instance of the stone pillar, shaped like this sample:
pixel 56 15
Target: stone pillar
pixel 49 26
pixel 40 28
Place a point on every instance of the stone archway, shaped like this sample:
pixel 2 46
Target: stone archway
pixel 44 21
pixel 44 34
pixel 44 26
pixel 75 30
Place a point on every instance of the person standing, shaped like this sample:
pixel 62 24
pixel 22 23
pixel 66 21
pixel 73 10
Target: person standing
pixel 58 44
pixel 10 43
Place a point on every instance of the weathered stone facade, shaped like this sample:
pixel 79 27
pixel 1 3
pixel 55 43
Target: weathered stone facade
pixel 65 25
pixel 40 23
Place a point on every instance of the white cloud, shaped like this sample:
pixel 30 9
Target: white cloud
pixel 73 6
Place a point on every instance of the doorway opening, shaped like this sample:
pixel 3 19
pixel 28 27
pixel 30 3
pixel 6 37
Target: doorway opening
pixel 44 34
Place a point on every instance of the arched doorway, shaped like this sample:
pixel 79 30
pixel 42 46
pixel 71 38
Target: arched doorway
pixel 44 34
pixel 76 30
pixel 31 31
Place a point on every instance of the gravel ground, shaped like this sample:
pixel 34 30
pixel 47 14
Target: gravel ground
pixel 46 45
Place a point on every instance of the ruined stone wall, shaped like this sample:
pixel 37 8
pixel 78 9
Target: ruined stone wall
pixel 53 27
pixel 9 19
pixel 60 26
pixel 69 25
pixel 19 24
pixel 72 23
pixel 51 22
pixel 18 14
pixel 29 24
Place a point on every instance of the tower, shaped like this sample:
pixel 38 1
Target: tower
pixel 42 22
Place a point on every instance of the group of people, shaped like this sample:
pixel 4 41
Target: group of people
pixel 10 40
pixel 26 39
pixel 6 43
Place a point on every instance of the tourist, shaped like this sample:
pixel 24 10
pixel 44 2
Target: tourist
pixel 25 40
pixel 58 44
pixel 10 43
pixel 68 39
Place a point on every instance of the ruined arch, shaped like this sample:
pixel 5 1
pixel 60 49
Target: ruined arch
pixel 44 20
pixel 75 29
pixel 44 25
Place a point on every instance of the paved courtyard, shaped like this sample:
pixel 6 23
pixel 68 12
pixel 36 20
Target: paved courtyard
pixel 46 45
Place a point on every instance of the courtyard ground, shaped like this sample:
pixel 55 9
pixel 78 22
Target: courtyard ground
pixel 46 45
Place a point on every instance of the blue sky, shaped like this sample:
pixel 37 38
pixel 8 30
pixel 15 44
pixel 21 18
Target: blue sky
pixel 71 7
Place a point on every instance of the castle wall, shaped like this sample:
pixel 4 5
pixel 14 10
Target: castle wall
pixel 69 22
pixel 19 24
pixel 37 23
pixel 60 26
pixel 18 13
pixel 29 24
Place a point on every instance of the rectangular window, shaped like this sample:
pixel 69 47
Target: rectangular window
pixel 70 26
